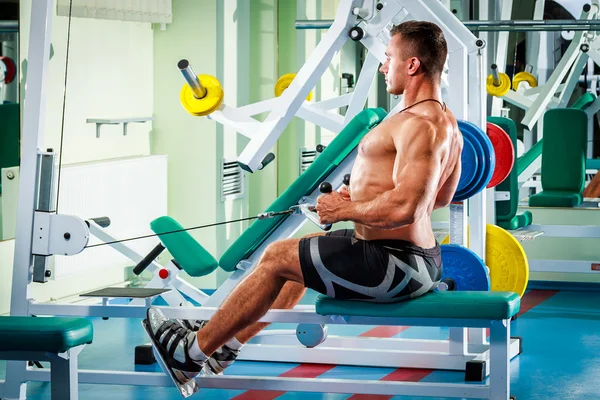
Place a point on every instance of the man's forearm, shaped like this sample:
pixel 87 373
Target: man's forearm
pixel 386 211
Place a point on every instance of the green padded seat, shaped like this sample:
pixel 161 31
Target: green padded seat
pixel 506 211
pixel 49 334
pixel 459 304
pixel 563 159
pixel 194 259
pixel 339 148
pixel 9 136
pixel 555 198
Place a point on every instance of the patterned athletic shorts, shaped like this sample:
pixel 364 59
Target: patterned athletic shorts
pixel 341 266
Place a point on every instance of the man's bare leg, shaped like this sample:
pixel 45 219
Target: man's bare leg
pixel 252 298
pixel 290 295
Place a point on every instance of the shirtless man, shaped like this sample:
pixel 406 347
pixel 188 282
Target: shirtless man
pixel 406 167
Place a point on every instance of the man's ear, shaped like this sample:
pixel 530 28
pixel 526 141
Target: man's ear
pixel 413 65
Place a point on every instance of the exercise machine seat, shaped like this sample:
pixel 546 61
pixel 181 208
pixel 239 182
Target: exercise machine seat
pixel 439 305
pixel 506 211
pixel 48 334
pixel 563 159
pixel 194 259
pixel 536 150
pixel 340 147
pixel 9 136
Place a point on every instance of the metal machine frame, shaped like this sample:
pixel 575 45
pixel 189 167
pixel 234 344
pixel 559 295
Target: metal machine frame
pixel 36 214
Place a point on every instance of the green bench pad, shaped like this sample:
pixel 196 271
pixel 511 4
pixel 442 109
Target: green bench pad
pixel 453 305
pixel 555 198
pixel 340 147
pixel 194 259
pixel 49 334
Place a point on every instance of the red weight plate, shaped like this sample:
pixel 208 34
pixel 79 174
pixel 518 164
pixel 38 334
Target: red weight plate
pixel 505 154
pixel 11 69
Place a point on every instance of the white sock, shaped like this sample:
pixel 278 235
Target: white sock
pixel 195 352
pixel 234 344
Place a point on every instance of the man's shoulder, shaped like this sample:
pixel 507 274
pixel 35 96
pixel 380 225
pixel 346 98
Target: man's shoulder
pixel 410 125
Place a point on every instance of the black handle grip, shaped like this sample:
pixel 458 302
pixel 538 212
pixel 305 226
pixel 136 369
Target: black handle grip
pixel 325 187
pixel 267 160
pixel 346 179
pixel 142 265
pixel 104 222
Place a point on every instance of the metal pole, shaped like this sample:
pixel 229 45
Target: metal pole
pixel 491 26
pixel 192 79
pixel 495 75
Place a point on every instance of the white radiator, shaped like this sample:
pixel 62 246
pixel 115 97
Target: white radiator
pixel 130 191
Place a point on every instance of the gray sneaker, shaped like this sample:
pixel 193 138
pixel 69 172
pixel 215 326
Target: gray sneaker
pixel 171 341
pixel 220 359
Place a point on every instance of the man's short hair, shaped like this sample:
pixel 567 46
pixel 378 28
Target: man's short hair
pixel 426 41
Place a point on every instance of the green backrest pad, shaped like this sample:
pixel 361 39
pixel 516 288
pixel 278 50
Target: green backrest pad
pixel 339 148
pixel 526 159
pixel 564 148
pixel 9 136
pixel 49 334
pixel 447 304
pixel 506 210
pixel 194 259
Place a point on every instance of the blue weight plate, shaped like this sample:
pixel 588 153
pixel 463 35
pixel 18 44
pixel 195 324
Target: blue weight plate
pixel 470 166
pixel 465 268
pixel 488 147
pixel 489 164
pixel 490 154
pixel 469 136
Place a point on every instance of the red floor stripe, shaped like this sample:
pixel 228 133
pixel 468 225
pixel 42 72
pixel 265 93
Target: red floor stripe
pixel 301 371
pixel 399 375
pixel 384 331
pixel 534 298
pixel 314 370
pixel 528 301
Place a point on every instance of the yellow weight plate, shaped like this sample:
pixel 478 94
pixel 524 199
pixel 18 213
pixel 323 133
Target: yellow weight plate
pixel 284 82
pixel 524 76
pixel 506 260
pixel 498 91
pixel 206 105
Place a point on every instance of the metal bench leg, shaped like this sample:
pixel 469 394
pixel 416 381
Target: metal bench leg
pixel 64 383
pixel 500 360
pixel 15 387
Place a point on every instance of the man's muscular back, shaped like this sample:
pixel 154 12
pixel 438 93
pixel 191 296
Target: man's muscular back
pixel 416 152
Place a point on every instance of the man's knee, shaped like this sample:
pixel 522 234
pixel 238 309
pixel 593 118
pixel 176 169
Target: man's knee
pixel 280 256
